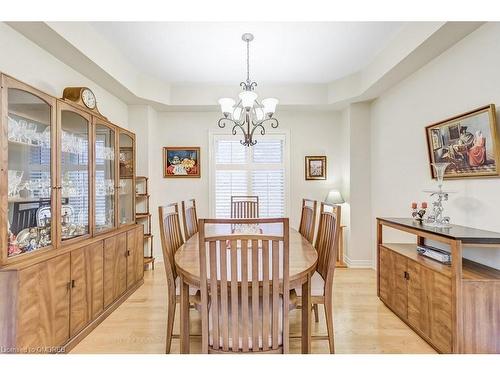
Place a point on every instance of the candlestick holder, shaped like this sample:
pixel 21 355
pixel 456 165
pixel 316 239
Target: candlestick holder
pixel 437 217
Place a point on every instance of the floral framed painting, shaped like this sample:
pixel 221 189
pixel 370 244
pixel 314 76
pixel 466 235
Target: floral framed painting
pixel 181 162
pixel 469 142
pixel 315 168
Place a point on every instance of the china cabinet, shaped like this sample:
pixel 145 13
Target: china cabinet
pixel 70 250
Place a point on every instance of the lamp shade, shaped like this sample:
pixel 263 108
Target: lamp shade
pixel 270 105
pixel 334 197
pixel 247 98
pixel 226 105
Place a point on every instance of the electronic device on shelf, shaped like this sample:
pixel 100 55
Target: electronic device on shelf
pixel 439 255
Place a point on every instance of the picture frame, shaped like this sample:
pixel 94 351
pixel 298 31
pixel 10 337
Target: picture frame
pixel 315 168
pixel 181 162
pixel 469 142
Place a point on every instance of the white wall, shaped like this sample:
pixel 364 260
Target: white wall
pixel 463 78
pixel 24 60
pixel 311 133
pixel 358 231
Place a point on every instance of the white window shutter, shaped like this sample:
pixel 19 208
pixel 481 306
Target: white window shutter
pixel 257 170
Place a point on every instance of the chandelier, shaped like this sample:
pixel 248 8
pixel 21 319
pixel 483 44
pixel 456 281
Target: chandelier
pixel 247 114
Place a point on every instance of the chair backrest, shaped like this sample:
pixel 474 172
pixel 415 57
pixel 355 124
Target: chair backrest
pixel 171 239
pixel 244 206
pixel 246 279
pixel 308 219
pixel 189 218
pixel 327 240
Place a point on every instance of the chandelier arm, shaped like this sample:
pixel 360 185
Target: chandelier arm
pixel 222 122
pixel 237 125
pixel 262 130
pixel 274 122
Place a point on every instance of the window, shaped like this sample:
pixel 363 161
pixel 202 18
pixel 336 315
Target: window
pixel 258 170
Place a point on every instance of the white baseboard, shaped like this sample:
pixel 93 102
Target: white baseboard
pixel 354 263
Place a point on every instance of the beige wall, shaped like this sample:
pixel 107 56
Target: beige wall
pixel 463 78
pixel 311 133
pixel 24 60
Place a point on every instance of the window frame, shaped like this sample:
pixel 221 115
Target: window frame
pixel 214 136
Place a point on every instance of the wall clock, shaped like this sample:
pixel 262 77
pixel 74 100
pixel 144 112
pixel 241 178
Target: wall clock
pixel 82 96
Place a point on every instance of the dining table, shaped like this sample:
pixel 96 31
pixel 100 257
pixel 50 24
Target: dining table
pixel 302 264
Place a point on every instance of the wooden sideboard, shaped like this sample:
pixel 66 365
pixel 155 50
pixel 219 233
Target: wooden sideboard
pixel 455 308
pixel 70 250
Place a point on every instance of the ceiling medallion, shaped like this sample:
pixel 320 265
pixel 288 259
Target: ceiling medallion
pixel 248 114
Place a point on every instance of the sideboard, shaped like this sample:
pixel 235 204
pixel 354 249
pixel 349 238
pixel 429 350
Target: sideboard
pixel 455 308
pixel 70 249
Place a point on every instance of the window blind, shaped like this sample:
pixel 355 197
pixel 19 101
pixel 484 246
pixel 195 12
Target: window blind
pixel 257 170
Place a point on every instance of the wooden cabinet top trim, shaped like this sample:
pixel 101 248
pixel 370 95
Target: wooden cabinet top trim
pixel 456 232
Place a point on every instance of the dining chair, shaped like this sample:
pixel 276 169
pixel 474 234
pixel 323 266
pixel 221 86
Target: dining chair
pixel 171 241
pixel 322 280
pixel 246 279
pixel 189 218
pixel 308 219
pixel 244 206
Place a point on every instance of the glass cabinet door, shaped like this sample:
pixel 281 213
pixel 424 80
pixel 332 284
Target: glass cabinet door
pixel 104 205
pixel 29 172
pixel 74 174
pixel 126 186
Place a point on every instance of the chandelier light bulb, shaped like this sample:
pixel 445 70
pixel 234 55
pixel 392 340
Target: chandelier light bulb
pixel 226 105
pixel 247 99
pixel 270 105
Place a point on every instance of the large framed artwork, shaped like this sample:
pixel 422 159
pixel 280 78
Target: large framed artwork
pixel 315 168
pixel 469 142
pixel 181 162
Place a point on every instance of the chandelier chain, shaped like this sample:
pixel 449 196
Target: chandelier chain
pixel 248 61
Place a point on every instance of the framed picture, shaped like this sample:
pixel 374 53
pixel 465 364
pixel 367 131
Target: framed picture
pixel 469 142
pixel 181 162
pixel 315 168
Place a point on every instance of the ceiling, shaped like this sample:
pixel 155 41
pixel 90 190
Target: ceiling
pixel 281 52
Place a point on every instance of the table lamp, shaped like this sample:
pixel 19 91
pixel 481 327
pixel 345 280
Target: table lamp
pixel 334 197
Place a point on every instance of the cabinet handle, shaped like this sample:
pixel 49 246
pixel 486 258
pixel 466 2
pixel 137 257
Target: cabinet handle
pixel 406 275
pixel 73 284
pixel 127 253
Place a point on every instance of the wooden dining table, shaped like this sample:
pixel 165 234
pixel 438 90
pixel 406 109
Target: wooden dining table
pixel 302 261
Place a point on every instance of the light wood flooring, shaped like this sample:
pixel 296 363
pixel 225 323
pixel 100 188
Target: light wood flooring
pixel 362 323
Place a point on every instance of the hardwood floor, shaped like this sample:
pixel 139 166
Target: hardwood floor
pixel 362 323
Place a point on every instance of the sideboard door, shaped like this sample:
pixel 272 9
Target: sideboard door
pixel 86 285
pixel 44 301
pixel 115 268
pixel 393 284
pixel 419 303
pixel 135 258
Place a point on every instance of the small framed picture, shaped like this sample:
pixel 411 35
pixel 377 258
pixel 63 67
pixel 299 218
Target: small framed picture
pixel 181 162
pixel 315 168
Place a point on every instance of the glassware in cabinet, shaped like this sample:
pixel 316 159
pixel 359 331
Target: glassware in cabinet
pixel 126 186
pixel 105 185
pixel 74 184
pixel 29 184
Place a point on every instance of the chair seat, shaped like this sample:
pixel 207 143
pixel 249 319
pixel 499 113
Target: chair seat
pixel 250 322
pixel 317 286
pixel 192 289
